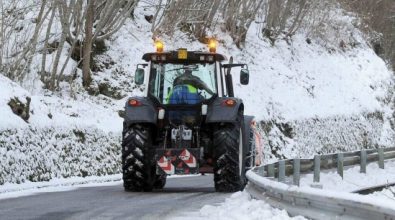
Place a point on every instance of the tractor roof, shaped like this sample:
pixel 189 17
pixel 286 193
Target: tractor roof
pixel 194 56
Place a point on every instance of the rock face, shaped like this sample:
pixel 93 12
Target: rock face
pixel 21 109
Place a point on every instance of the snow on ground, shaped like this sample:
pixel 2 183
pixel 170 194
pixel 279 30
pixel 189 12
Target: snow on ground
pixel 9 90
pixel 353 179
pixel 388 193
pixel 303 81
pixel 51 111
pixel 10 190
pixel 239 206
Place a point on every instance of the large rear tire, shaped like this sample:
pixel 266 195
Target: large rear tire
pixel 138 162
pixel 229 167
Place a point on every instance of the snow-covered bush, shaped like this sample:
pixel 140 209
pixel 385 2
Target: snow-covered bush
pixel 35 154
pixel 305 138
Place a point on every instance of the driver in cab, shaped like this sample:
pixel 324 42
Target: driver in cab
pixel 185 89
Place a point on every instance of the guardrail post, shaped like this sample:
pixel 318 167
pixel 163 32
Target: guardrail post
pixel 261 172
pixel 340 166
pixel 381 158
pixel 317 166
pixel 363 161
pixel 296 175
pixel 281 171
pixel 270 170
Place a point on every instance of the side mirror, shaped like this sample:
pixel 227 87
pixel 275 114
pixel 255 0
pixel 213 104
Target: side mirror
pixel 244 76
pixel 139 76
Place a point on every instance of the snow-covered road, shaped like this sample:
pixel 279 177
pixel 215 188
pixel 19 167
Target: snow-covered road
pixel 112 202
pixel 193 197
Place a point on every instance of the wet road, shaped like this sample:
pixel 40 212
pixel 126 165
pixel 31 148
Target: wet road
pixel 180 195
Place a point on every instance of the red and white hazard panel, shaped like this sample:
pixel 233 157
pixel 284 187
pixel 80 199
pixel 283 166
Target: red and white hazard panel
pixel 166 165
pixel 188 158
pixel 178 161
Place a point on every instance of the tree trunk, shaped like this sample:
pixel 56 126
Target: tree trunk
pixel 2 34
pixel 43 73
pixel 88 41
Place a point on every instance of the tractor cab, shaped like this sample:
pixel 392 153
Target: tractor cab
pixel 185 82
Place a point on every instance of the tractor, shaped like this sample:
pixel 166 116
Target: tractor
pixel 187 122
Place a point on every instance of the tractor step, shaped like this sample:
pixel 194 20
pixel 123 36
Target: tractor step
pixel 178 161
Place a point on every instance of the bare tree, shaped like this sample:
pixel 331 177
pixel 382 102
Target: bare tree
pixel 18 37
pixel 43 73
pixel 88 40
pixel 2 33
pixel 192 16
pixel 103 19
pixel 238 16
pixel 84 24
pixel 378 16
pixel 22 64
pixel 284 17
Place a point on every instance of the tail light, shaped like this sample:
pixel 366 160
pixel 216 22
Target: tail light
pixel 134 102
pixel 229 103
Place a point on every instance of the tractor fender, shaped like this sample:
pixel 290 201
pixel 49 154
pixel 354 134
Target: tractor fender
pixel 144 112
pixel 218 111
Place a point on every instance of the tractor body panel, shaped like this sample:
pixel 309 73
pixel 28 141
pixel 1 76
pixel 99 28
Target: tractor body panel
pixel 218 111
pixel 144 112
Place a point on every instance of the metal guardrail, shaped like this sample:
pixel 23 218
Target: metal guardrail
pixel 269 183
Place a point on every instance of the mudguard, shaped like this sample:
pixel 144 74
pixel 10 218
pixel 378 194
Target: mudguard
pixel 252 139
pixel 247 131
pixel 145 112
pixel 219 112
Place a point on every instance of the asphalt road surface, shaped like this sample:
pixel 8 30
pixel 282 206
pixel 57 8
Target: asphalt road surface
pixel 180 196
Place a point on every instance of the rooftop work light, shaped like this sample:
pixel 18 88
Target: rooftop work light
pixel 159 46
pixel 212 45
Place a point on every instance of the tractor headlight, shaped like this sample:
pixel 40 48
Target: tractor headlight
pixel 204 109
pixel 161 114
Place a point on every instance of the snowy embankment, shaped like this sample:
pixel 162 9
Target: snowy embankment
pixel 388 193
pixel 312 97
pixel 353 179
pixel 309 100
pixel 61 138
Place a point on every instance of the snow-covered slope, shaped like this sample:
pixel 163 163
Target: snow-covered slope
pixel 63 137
pixel 10 90
pixel 310 98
